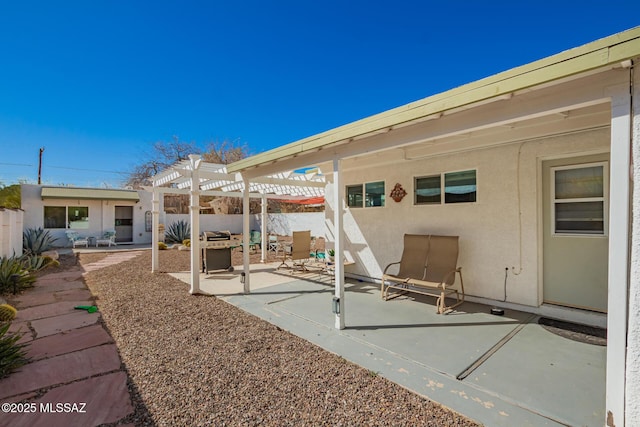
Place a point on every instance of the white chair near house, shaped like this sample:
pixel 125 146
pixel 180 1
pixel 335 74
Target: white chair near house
pixel 108 238
pixel 76 239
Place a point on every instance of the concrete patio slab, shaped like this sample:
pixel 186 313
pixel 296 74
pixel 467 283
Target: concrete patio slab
pixel 548 374
pixel 57 324
pixel 405 341
pixel 61 370
pixel 91 402
pixel 67 342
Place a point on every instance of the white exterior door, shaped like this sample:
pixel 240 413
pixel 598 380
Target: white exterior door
pixel 575 247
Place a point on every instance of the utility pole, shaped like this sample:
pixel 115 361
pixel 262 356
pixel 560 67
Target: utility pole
pixel 40 167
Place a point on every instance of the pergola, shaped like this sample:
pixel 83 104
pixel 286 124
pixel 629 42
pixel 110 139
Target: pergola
pixel 196 177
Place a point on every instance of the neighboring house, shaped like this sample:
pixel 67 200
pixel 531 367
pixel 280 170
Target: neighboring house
pixel 530 167
pixel 89 211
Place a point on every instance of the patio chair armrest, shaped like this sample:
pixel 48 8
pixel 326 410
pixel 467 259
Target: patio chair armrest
pixel 389 265
pixel 449 274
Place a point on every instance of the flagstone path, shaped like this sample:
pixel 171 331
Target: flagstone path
pixel 75 376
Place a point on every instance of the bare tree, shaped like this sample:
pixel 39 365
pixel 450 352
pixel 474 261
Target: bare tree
pixel 164 154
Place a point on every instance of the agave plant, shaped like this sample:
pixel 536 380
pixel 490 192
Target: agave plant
pixel 177 232
pixel 11 268
pixel 37 240
pixel 12 354
pixel 37 262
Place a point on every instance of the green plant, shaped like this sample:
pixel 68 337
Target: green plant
pixel 7 313
pixel 331 252
pixel 177 232
pixel 14 267
pixel 12 354
pixel 162 246
pixel 37 240
pixel 37 262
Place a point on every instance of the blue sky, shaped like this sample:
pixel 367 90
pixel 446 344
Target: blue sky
pixel 98 82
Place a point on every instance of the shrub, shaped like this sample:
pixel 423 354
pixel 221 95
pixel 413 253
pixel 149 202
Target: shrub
pixel 177 232
pixel 162 246
pixel 36 240
pixel 12 354
pixel 14 266
pixel 37 262
pixel 187 242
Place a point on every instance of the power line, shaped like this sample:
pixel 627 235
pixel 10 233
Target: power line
pixel 65 167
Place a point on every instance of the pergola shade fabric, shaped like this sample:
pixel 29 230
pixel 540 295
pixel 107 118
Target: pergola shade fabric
pixel 88 194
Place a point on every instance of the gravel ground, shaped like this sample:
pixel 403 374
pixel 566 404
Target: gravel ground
pixel 196 360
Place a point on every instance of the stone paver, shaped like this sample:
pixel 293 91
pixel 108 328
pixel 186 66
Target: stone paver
pixel 90 402
pixel 61 370
pixel 57 324
pixel 72 356
pixel 55 286
pixel 73 340
pixel 50 310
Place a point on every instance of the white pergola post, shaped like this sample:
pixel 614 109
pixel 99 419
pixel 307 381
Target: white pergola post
pixel 155 223
pixel 338 211
pixel 632 393
pixel 263 229
pixel 618 277
pixel 246 230
pixel 194 210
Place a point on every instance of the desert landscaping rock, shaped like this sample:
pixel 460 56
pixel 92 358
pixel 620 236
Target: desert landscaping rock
pixel 200 361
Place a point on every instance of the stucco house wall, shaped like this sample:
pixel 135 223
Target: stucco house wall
pixel 10 232
pixel 101 214
pixel 494 238
pixel 277 223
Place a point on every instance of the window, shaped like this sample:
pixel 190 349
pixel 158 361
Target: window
pixel 579 199
pixel 373 195
pixel 55 217
pixel 75 217
pixel 427 190
pixel 354 196
pixel 458 187
pixel 78 217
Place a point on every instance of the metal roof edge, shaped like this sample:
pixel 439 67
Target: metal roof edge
pixel 599 53
pixel 52 192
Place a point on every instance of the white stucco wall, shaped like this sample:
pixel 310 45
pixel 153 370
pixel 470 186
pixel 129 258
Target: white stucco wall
pixel 11 232
pixel 101 214
pixel 493 236
pixel 277 223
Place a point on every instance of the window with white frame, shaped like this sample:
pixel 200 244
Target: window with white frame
pixel 457 187
pixel 74 217
pixel 365 195
pixel 579 199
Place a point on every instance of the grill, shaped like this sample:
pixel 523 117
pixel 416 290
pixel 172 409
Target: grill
pixel 216 250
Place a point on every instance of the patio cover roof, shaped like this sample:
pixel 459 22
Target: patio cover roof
pixel 216 178
pixel 88 194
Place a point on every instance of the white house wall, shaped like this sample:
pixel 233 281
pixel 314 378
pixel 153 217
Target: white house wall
pixel 493 236
pixel 277 223
pixel 10 232
pixel 101 214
